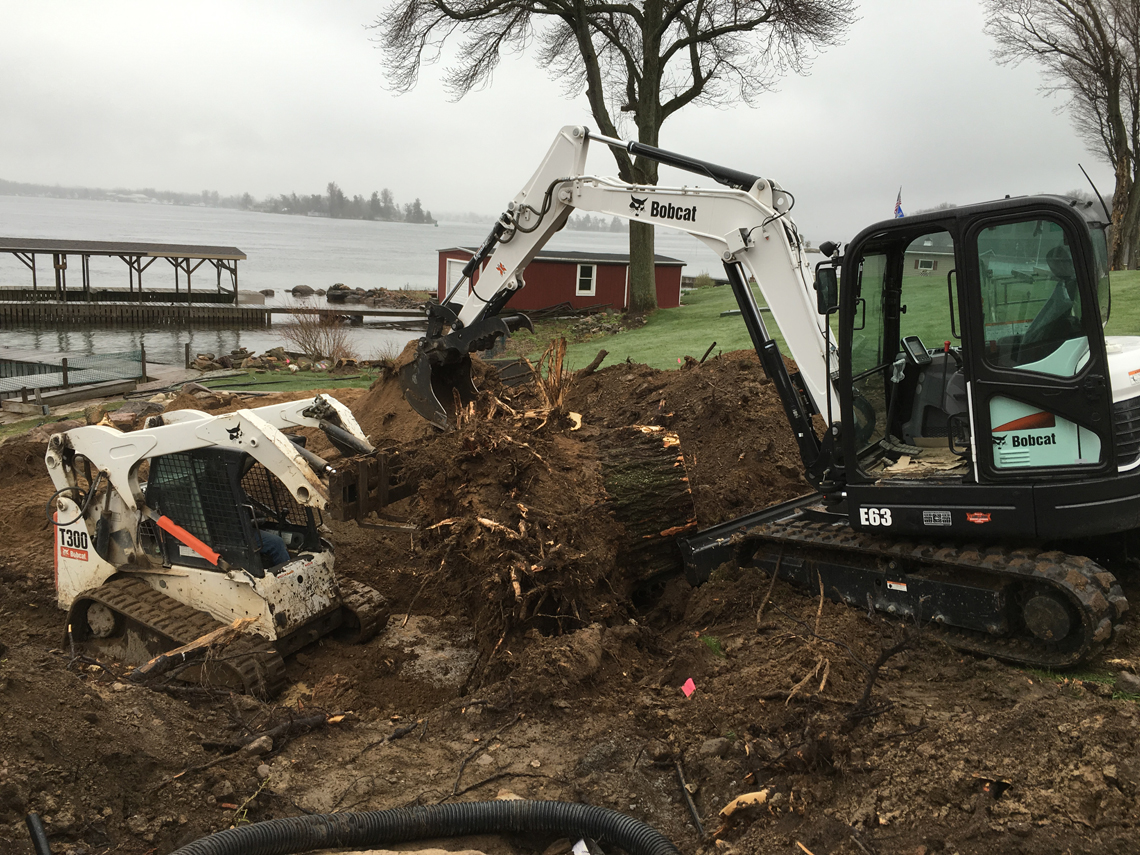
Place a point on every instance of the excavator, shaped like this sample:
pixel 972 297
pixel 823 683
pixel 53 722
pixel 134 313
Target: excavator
pixel 166 534
pixel 971 435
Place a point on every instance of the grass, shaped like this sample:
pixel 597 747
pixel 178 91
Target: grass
pixel 286 381
pixel 25 425
pixel 1078 677
pixel 669 335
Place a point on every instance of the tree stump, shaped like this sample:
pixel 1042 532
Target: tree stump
pixel 648 492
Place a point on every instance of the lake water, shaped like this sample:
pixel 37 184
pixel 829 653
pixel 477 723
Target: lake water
pixel 283 251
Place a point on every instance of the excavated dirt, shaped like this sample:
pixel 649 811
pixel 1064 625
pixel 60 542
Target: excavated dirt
pixel 520 658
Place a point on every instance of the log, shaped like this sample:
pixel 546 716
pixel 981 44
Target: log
pixel 196 649
pixel 648 491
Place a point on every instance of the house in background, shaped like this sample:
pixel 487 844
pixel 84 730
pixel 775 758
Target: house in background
pixel 933 253
pixel 580 279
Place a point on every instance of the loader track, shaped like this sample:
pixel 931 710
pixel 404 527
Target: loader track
pixel 366 609
pixel 1094 596
pixel 250 664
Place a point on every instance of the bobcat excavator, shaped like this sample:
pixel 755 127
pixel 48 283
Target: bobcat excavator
pixel 977 460
pixel 167 533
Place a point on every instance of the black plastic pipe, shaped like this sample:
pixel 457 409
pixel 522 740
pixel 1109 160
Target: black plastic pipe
pixel 39 835
pixel 329 831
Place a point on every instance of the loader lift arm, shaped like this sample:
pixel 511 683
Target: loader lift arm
pixel 746 223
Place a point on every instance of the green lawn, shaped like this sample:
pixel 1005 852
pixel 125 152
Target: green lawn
pixel 671 334
pixel 286 381
pixel 1124 319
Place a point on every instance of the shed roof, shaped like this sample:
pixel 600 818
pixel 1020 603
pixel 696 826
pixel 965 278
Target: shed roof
pixel 113 247
pixel 579 257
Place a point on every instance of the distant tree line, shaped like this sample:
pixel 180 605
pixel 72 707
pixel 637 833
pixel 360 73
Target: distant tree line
pixel 588 223
pixel 334 203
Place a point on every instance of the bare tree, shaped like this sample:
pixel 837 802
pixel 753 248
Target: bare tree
pixel 645 58
pixel 1090 50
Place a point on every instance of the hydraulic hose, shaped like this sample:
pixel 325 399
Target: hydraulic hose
pixel 327 831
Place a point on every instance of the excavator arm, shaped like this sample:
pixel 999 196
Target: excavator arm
pixel 746 223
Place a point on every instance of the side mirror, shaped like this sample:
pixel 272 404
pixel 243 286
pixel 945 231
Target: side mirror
pixel 826 288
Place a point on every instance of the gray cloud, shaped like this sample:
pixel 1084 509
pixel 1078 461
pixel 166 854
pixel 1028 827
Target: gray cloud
pixel 268 97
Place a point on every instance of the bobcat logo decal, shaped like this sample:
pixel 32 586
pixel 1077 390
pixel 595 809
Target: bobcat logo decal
pixel 998 441
pixel 637 205
pixel 235 433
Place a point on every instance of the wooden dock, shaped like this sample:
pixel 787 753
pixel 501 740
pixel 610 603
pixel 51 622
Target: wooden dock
pixel 133 315
pixel 44 314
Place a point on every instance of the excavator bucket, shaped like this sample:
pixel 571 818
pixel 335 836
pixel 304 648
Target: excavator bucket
pixel 437 376
pixel 431 389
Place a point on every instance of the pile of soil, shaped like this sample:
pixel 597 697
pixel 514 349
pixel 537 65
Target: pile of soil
pixel 523 656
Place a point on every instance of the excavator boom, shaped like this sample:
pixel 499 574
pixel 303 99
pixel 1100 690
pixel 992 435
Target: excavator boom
pixel 746 223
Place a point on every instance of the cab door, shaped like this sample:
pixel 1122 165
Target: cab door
pixel 1040 402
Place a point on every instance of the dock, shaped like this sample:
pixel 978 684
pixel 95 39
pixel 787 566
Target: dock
pixel 105 314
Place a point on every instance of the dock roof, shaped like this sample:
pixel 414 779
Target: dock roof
pixel 115 248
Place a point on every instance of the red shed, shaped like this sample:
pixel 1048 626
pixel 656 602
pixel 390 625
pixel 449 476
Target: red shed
pixel 581 279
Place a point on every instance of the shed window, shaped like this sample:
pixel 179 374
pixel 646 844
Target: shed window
pixel 926 264
pixel 587 279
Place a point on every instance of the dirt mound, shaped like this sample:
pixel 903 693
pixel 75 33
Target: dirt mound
pixel 739 450
pixel 523 654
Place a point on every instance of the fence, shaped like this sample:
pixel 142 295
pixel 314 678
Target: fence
pixel 30 370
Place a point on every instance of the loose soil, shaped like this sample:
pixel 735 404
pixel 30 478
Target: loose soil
pixel 520 658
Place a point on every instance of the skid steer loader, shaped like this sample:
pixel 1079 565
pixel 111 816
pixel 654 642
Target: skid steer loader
pixel 165 534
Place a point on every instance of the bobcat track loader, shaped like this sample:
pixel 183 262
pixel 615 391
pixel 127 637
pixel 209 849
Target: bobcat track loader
pixel 166 533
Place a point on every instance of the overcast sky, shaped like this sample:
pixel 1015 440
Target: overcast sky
pixel 272 96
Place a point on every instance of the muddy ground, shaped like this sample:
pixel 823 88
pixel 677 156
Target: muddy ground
pixel 520 659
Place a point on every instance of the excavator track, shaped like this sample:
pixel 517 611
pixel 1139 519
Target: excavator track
pixel 1072 602
pixel 1036 607
pixel 146 623
pixel 366 612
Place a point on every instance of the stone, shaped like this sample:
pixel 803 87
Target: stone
pixel 141 408
pixel 264 771
pixel 1128 682
pixel 94 414
pixel 223 789
pixel 302 291
pixel 267 292
pixel 259 746
pixel 717 747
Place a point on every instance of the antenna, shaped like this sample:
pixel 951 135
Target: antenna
pixel 1097 193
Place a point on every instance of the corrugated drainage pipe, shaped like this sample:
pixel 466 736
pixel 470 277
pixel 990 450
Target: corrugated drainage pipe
pixel 340 830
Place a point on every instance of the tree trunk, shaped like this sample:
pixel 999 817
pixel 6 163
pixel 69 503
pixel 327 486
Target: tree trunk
pixel 1128 246
pixel 642 271
pixel 648 492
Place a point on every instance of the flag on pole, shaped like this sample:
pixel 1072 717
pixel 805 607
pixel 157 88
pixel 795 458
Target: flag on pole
pixel 898 205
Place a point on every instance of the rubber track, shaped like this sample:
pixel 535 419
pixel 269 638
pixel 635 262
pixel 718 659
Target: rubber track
pixel 254 660
pixel 1091 589
pixel 369 610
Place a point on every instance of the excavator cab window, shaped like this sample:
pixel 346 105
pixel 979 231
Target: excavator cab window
pixel 907 368
pixel 1030 302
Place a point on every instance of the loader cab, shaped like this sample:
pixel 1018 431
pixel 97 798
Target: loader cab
pixel 973 365
pixel 231 503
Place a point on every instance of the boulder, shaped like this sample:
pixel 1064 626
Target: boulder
pixel 302 291
pixel 268 292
